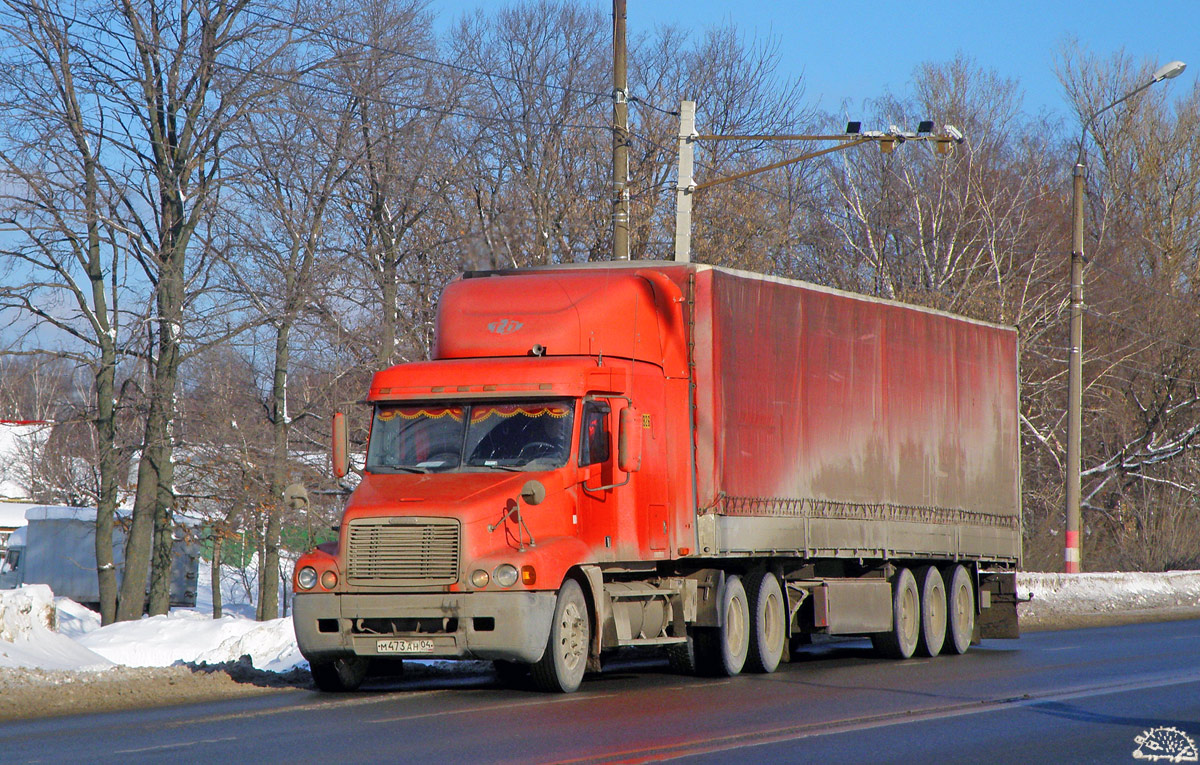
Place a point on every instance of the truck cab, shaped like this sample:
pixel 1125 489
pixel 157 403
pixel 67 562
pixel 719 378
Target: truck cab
pixel 534 445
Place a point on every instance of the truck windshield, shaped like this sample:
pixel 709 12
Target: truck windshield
pixel 510 435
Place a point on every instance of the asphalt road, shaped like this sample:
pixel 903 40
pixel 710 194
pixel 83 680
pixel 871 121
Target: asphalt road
pixel 1072 696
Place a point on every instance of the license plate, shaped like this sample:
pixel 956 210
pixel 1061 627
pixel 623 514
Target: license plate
pixel 404 646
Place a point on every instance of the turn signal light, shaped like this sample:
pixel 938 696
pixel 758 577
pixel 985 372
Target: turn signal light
pixel 329 580
pixel 528 575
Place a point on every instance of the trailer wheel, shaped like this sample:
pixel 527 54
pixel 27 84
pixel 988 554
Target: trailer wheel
pixel 933 611
pixel 961 610
pixel 901 641
pixel 340 675
pixel 768 622
pixel 561 668
pixel 721 651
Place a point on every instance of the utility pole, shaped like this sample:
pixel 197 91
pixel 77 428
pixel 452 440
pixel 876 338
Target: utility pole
pixel 686 184
pixel 620 216
pixel 1074 371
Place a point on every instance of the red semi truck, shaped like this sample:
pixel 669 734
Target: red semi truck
pixel 717 463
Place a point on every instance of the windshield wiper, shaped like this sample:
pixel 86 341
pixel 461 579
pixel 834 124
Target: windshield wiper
pixel 397 469
pixel 496 466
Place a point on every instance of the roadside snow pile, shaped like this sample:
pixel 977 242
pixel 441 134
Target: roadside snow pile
pixel 28 637
pixel 1060 595
pixel 190 636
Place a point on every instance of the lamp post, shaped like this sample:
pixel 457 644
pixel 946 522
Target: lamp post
pixel 1072 556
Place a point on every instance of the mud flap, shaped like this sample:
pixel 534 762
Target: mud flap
pixel 998 604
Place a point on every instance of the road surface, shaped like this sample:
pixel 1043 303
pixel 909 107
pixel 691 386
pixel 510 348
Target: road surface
pixel 1071 696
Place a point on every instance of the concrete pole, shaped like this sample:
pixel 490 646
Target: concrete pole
pixel 620 217
pixel 686 182
pixel 1072 555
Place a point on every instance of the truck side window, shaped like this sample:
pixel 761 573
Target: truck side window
pixel 593 445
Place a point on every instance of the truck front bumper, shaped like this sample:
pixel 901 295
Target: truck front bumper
pixel 476 625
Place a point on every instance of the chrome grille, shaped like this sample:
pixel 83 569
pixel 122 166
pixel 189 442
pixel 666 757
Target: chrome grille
pixel 403 551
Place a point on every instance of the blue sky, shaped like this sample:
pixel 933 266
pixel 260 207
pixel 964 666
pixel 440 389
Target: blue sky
pixel 854 51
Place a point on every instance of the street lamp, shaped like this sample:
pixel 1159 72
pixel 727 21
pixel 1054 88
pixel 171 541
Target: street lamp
pixel 1072 555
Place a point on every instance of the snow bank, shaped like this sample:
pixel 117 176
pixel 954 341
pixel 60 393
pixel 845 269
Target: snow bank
pixel 1106 592
pixel 190 636
pixel 28 638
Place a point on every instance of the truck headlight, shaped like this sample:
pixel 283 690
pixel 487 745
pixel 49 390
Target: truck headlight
pixel 505 575
pixel 479 578
pixel 306 578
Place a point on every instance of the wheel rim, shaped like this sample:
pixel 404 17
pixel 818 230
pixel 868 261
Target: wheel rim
pixel 938 614
pixel 572 636
pixel 962 606
pixel 909 613
pixel 772 627
pixel 735 627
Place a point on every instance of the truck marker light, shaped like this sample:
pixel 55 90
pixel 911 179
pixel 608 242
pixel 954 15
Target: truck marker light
pixel 528 575
pixel 684 550
pixel 479 578
pixel 306 578
pixel 329 580
pixel 505 575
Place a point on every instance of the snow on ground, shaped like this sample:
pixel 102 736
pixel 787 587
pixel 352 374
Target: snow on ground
pixel 1105 592
pixel 40 631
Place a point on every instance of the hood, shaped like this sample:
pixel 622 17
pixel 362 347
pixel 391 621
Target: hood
pixel 442 494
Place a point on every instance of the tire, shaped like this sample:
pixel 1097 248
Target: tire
pixel 340 675
pixel 901 641
pixel 933 611
pixel 721 651
pixel 960 611
pixel 768 622
pixel 682 656
pixel 561 668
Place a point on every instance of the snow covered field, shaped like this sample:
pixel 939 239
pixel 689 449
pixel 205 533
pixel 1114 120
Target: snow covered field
pixel 38 631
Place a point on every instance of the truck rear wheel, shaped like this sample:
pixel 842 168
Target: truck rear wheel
pixel 933 611
pixel 721 651
pixel 768 622
pixel 901 641
pixel 340 675
pixel 961 611
pixel 561 668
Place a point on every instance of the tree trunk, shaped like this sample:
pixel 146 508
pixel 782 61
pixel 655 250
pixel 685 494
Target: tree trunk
pixel 155 472
pixel 215 572
pixel 280 423
pixel 105 424
pixel 164 542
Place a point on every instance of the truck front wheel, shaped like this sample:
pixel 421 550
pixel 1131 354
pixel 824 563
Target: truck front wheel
pixel 562 665
pixel 339 675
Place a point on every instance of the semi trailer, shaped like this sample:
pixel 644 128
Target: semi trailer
pixel 716 463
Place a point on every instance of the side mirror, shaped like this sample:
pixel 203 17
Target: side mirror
pixel 629 441
pixel 341 446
